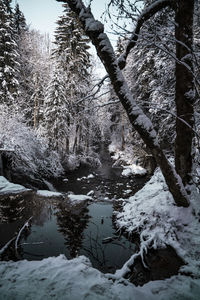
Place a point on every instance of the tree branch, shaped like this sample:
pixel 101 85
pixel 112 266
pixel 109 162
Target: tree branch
pixel 145 15
pixel 142 124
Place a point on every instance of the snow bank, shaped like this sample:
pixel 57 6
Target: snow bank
pixel 133 170
pixel 62 279
pixel 59 278
pixel 79 198
pixel 48 194
pixel 7 187
pixel 151 213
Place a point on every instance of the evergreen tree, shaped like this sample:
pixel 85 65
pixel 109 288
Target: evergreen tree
pixel 9 65
pixel 19 21
pixel 74 59
pixel 56 113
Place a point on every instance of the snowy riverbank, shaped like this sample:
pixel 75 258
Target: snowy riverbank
pixel 150 212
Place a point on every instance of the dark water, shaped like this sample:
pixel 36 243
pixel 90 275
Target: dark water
pixel 59 226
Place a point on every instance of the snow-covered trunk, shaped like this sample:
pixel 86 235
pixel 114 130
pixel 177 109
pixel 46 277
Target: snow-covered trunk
pixel 142 124
pixel 184 89
pixel 36 112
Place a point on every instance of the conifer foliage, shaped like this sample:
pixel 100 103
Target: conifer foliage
pixel 73 60
pixel 9 66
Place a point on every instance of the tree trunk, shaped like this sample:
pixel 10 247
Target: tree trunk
pixel 36 112
pixel 184 89
pixel 142 124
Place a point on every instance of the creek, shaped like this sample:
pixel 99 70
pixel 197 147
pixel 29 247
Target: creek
pixel 73 228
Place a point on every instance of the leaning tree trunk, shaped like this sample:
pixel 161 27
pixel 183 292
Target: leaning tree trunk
pixel 142 124
pixel 184 89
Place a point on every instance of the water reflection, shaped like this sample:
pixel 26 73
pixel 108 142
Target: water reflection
pixel 58 226
pixel 11 208
pixel 72 221
pixel 111 255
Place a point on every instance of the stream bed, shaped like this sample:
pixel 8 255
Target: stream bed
pixel 59 226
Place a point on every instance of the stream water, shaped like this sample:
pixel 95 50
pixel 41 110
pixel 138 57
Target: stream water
pixel 81 228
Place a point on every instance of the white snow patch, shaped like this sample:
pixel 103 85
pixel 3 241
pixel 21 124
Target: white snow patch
pixel 90 193
pixel 45 193
pixel 133 170
pixel 126 192
pixel 7 187
pixel 79 198
pixel 90 176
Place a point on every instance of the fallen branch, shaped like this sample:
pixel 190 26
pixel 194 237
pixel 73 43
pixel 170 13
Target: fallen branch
pixel 2 250
pixel 19 235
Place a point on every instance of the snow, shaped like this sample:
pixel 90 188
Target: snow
pixel 90 193
pixel 59 278
pixel 45 193
pixel 133 170
pixel 79 198
pixel 90 176
pixel 152 214
pixel 7 187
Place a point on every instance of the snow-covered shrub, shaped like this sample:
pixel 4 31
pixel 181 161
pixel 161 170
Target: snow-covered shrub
pixel 73 161
pixel 29 154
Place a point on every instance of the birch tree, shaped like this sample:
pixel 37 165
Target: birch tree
pixel 175 179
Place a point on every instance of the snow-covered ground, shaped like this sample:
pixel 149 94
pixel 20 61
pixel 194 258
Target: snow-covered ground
pixel 59 278
pixel 79 198
pixel 133 170
pixel 127 160
pixel 150 212
pixel 49 194
pixel 7 187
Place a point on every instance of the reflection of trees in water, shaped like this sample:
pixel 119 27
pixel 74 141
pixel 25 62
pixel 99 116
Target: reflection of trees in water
pixel 72 221
pixel 12 208
pixel 15 210
pixel 17 207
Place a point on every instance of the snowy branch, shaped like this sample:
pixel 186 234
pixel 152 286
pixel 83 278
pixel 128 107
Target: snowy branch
pixel 19 235
pixel 2 250
pixel 145 15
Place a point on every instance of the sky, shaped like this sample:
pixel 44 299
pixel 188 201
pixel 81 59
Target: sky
pixel 43 14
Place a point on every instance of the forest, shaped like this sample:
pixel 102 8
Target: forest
pixel 100 174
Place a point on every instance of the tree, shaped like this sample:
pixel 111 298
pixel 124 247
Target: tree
pixel 185 92
pixel 19 21
pixel 95 30
pixel 150 74
pixel 56 113
pixel 73 58
pixel 34 50
pixel 9 66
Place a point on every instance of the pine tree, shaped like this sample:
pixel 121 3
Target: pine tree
pixel 56 113
pixel 74 59
pixel 19 21
pixel 9 65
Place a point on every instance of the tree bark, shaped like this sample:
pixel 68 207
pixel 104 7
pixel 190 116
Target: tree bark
pixel 142 124
pixel 184 89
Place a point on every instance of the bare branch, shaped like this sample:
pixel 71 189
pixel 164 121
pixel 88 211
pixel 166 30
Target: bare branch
pixel 145 15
